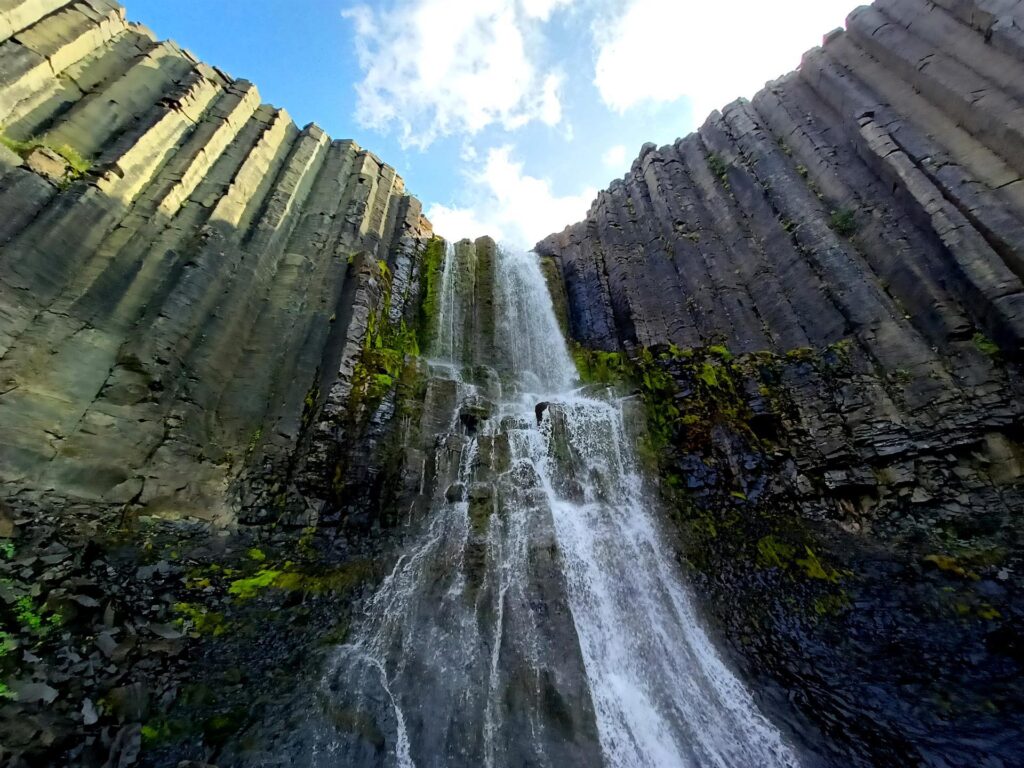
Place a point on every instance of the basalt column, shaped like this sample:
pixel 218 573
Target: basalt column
pixel 186 276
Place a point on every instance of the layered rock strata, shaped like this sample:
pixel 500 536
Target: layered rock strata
pixel 186 276
pixel 822 289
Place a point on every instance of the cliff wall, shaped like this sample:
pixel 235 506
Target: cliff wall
pixel 820 295
pixel 186 276
pixel 870 202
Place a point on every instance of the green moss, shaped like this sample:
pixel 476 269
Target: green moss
pixel 431 271
pixel 950 565
pixel 202 621
pixel 386 351
pixel 843 222
pixel 719 167
pixel 988 613
pixel 556 289
pixel 292 578
pixel 152 734
pixel 248 588
pixel 219 728
pixel 254 441
pixel 800 354
pixel 304 545
pixel 986 345
pixel 774 553
pixel 6 550
pixel 831 605
pixel 708 374
pixel 27 615
pixel 309 402
pixel 814 569
pixel 162 731
pixel 838 354
pixel 599 367
pixel 78 166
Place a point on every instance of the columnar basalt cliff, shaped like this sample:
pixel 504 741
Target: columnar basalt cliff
pixel 187 276
pixel 820 293
pixel 219 428
pixel 205 317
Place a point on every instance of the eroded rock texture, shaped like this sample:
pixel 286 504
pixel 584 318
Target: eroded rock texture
pixel 838 264
pixel 186 276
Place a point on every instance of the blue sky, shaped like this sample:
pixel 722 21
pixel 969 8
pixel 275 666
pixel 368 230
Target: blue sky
pixel 504 116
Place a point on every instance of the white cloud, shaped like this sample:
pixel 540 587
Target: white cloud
pixel 712 53
pixel 509 205
pixel 438 67
pixel 550 104
pixel 541 9
pixel 615 157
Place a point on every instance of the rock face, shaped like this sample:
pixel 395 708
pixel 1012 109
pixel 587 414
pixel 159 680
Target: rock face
pixel 186 276
pixel 822 289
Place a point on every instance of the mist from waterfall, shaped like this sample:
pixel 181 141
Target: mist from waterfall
pixel 540 618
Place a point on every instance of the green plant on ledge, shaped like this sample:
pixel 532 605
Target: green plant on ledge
pixel 843 222
pixel 986 345
pixel 78 165
pixel 719 167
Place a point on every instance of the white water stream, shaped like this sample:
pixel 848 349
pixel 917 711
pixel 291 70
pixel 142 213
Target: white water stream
pixel 470 663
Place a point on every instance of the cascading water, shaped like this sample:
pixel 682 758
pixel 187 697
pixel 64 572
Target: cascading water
pixel 539 619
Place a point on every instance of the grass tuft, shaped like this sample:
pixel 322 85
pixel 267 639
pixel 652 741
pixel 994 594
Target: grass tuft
pixel 78 166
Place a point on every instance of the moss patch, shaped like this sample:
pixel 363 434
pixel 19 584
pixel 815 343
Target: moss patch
pixel 843 222
pixel 431 272
pixel 78 166
pixel 986 345
pixel 292 578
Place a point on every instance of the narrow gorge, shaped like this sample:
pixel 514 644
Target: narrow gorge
pixel 729 473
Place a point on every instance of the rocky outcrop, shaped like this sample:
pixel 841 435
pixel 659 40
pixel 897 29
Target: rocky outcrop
pixel 186 276
pixel 821 294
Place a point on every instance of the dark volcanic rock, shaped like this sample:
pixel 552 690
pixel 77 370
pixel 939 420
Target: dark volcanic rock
pixel 850 484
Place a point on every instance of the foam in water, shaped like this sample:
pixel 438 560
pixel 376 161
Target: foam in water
pixel 462 658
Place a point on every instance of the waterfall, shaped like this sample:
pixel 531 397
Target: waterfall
pixel 538 619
